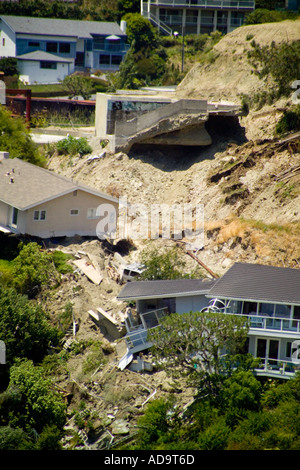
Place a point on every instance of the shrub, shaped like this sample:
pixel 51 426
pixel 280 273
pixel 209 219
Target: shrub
pixel 289 121
pixel 72 146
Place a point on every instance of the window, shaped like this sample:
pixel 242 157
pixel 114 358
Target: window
pixel 283 311
pixel 33 44
pixel 3 41
pixel 250 308
pixel 74 212
pixel 116 59
pixel 39 215
pixel 266 309
pixel 64 48
pixel 51 47
pixel 75 193
pixel 14 219
pixel 46 64
pixel 104 59
pixel 92 214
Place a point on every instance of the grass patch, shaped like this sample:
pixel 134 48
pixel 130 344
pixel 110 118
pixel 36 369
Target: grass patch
pixel 6 272
pixel 61 264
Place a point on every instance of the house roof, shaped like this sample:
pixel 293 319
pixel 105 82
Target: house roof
pixel 255 282
pixel 33 185
pixel 61 27
pixel 42 55
pixel 165 288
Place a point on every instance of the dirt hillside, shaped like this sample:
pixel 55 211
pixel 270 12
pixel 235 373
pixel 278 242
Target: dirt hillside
pixel 230 73
pixel 251 196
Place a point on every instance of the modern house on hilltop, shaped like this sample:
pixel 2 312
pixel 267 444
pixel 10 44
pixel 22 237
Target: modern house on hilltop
pixel 268 296
pixel 38 202
pixel 49 49
pixel 196 16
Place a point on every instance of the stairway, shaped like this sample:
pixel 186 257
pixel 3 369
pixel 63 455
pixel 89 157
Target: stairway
pixel 163 27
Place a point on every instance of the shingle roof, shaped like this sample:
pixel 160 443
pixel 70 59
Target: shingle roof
pixel 164 288
pixel 61 27
pixel 42 55
pixel 34 185
pixel 259 283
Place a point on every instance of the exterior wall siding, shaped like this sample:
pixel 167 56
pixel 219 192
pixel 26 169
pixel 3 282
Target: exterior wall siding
pixel 60 222
pixel 7 41
pixel 31 72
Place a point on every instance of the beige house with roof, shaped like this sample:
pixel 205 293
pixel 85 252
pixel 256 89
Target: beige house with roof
pixel 38 202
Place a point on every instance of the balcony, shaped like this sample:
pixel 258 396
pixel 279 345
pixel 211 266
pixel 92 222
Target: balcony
pixel 247 5
pixel 102 47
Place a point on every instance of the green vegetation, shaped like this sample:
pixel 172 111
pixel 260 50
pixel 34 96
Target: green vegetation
pixel 180 335
pixel 289 121
pixel 77 85
pixel 278 66
pixel 264 15
pixel 245 414
pixel 9 66
pixel 15 139
pixel 169 264
pixel 72 146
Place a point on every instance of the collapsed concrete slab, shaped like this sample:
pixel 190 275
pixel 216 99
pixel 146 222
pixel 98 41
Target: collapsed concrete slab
pixel 140 118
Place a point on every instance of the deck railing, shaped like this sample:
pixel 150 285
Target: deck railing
pixel 222 4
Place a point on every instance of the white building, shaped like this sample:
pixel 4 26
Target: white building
pixel 49 49
pixel 268 296
pixel 196 16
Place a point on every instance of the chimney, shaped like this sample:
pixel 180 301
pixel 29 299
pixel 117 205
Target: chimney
pixel 3 155
pixel 123 26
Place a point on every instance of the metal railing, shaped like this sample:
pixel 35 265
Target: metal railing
pixel 156 21
pixel 265 322
pixel 111 47
pixel 227 4
pixel 152 318
pixel 274 367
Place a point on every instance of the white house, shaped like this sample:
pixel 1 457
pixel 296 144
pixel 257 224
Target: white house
pixel 268 296
pixel 49 49
pixel 38 202
pixel 196 16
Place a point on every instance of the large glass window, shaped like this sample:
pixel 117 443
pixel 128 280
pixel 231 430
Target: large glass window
pixel 283 311
pixel 51 47
pixel 266 309
pixel 250 308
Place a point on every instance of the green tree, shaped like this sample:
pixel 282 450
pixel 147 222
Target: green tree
pixel 14 439
pixel 191 343
pixel 78 85
pixel 39 405
pixel 167 265
pixel 33 268
pixel 9 65
pixel 155 422
pixel 140 32
pixel 15 139
pixel 24 327
pixel 278 62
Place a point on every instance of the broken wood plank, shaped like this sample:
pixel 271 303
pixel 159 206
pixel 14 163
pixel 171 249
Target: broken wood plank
pixel 203 265
pixel 94 314
pixel 108 316
pixel 89 270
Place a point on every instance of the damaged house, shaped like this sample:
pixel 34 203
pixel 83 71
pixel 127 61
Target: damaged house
pixel 269 296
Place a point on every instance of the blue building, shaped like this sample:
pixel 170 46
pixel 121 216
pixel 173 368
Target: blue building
pixel 49 49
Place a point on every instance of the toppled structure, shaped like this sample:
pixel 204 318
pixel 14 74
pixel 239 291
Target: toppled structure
pixel 124 120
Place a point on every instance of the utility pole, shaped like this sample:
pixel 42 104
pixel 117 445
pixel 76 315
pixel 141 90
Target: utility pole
pixel 182 53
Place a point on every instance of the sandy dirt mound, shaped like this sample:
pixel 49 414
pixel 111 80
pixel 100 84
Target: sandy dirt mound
pixel 230 73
